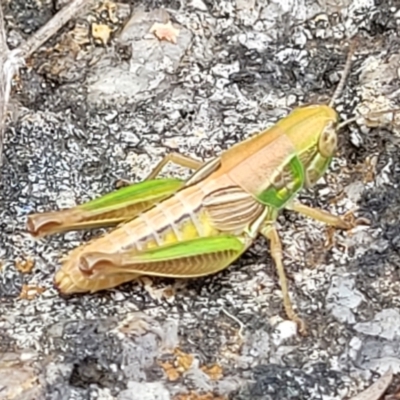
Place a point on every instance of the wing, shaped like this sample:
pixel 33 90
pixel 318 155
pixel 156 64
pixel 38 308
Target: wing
pixel 232 209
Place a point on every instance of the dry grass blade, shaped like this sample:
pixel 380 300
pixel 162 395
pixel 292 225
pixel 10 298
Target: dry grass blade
pixel 52 27
pixel 11 61
pixel 3 80
pixel 345 73
pixel 376 390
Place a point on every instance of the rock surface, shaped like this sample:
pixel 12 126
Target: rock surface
pixel 104 102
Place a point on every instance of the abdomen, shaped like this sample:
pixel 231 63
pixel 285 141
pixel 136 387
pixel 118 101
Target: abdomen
pixel 176 219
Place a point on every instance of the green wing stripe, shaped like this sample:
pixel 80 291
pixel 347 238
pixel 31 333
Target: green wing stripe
pixel 110 209
pixel 190 248
pixel 197 257
pixel 132 194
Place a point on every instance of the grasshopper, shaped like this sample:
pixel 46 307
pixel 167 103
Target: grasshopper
pixel 192 228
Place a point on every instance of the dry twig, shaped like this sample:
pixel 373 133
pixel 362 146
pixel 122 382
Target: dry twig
pixel 11 61
pixel 3 80
pixel 376 390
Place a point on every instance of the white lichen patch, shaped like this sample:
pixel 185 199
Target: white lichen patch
pixel 379 92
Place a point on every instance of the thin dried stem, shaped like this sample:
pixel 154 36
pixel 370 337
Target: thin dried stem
pixel 345 73
pixel 3 80
pixel 376 390
pixel 52 27
pixel 12 61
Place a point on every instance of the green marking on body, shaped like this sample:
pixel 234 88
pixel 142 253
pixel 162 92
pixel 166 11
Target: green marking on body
pixel 277 198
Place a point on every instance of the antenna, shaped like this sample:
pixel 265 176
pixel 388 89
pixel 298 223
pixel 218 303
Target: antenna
pixel 339 90
pixel 374 113
pixel 345 73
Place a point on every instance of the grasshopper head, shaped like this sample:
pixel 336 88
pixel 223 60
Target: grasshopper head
pixel 312 130
pixel 315 136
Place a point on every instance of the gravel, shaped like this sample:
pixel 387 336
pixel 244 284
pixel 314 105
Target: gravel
pixel 87 115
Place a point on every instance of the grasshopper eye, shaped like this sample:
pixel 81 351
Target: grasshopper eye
pixel 328 141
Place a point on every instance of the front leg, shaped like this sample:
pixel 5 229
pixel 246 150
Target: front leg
pixel 345 222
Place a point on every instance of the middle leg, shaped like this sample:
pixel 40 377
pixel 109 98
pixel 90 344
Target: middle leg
pixel 175 158
pixel 270 233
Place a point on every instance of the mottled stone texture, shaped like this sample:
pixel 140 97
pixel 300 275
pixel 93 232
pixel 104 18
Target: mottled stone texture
pixel 88 114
